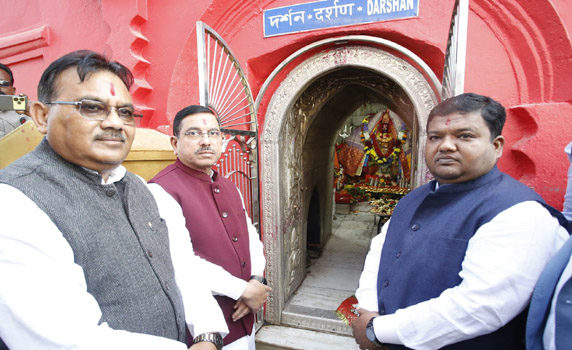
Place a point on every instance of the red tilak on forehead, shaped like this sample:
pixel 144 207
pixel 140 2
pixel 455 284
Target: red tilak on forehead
pixel 112 89
pixel 204 121
pixel 448 121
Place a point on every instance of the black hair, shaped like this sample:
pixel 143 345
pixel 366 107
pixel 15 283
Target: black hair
pixel 87 62
pixel 7 69
pixel 492 112
pixel 187 111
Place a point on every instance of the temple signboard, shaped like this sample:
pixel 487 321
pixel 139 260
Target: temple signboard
pixel 334 13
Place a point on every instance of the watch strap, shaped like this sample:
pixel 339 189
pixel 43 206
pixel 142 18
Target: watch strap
pixel 373 339
pixel 259 279
pixel 212 337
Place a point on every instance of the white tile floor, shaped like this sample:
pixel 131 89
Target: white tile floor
pixel 330 280
pixel 334 276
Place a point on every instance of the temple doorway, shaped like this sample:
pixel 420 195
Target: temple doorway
pixel 310 241
pixel 361 168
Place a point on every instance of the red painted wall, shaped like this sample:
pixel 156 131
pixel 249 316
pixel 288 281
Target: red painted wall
pixel 519 52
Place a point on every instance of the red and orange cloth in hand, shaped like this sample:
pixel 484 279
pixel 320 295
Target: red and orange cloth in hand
pixel 347 310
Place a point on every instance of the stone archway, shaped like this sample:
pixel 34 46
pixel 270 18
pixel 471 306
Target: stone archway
pixel 295 104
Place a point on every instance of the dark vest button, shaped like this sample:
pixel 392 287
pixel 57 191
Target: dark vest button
pixel 216 190
pixel 382 311
pixel 415 227
pixel 386 283
pixel 398 255
pixel 224 215
pixel 110 193
pixel 235 239
pixel 150 253
pixel 166 286
pixel 243 263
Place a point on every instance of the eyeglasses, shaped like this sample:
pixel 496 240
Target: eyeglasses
pixel 5 83
pixel 96 110
pixel 197 135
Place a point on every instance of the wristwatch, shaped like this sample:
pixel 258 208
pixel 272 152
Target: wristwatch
pixel 214 338
pixel 370 333
pixel 259 279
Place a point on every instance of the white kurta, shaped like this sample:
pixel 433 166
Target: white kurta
pixel 502 263
pixel 44 303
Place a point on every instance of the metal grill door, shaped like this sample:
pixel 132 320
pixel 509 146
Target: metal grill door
pixel 224 88
pixel 454 71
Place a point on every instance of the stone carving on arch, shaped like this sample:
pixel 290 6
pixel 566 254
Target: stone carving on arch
pixel 288 116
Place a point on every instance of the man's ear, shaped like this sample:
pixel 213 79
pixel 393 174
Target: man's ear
pixel 498 143
pixel 174 142
pixel 39 114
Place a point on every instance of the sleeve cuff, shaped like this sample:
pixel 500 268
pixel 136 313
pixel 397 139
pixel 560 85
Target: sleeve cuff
pixel 385 330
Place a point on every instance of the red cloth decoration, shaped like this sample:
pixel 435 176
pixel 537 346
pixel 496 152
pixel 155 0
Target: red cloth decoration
pixel 350 158
pixel 347 311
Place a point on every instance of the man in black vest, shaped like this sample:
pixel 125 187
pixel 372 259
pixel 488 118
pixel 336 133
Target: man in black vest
pixel 87 261
pixel 455 266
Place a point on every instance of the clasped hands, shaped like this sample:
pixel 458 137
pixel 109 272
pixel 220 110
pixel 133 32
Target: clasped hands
pixel 252 299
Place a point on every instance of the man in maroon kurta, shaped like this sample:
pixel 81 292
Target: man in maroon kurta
pixel 220 230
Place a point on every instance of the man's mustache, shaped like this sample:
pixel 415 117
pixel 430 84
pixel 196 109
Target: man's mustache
pixel 205 149
pixel 113 135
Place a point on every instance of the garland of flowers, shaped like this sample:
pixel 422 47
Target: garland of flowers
pixel 370 150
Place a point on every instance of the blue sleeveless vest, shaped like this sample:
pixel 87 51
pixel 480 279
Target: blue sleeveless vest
pixel 426 243
pixel 542 300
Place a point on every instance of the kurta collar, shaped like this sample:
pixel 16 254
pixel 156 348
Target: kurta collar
pixel 469 185
pixel 115 175
pixel 195 173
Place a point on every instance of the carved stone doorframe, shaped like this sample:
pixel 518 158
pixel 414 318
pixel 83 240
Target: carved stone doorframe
pixel 285 129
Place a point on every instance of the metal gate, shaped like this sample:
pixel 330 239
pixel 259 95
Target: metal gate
pixel 224 88
pixel 455 57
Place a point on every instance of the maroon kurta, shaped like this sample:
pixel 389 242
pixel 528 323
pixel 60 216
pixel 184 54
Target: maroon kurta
pixel 216 221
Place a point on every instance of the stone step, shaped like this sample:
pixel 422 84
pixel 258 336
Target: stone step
pixel 281 338
pixel 315 319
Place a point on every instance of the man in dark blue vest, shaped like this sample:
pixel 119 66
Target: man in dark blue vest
pixel 549 323
pixel 86 259
pixel 455 266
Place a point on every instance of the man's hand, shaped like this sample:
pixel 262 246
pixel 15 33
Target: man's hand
pixel 203 345
pixel 254 295
pixel 241 310
pixel 358 327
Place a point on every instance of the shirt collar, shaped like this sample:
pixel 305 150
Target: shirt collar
pixel 195 173
pixel 468 185
pixel 115 175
